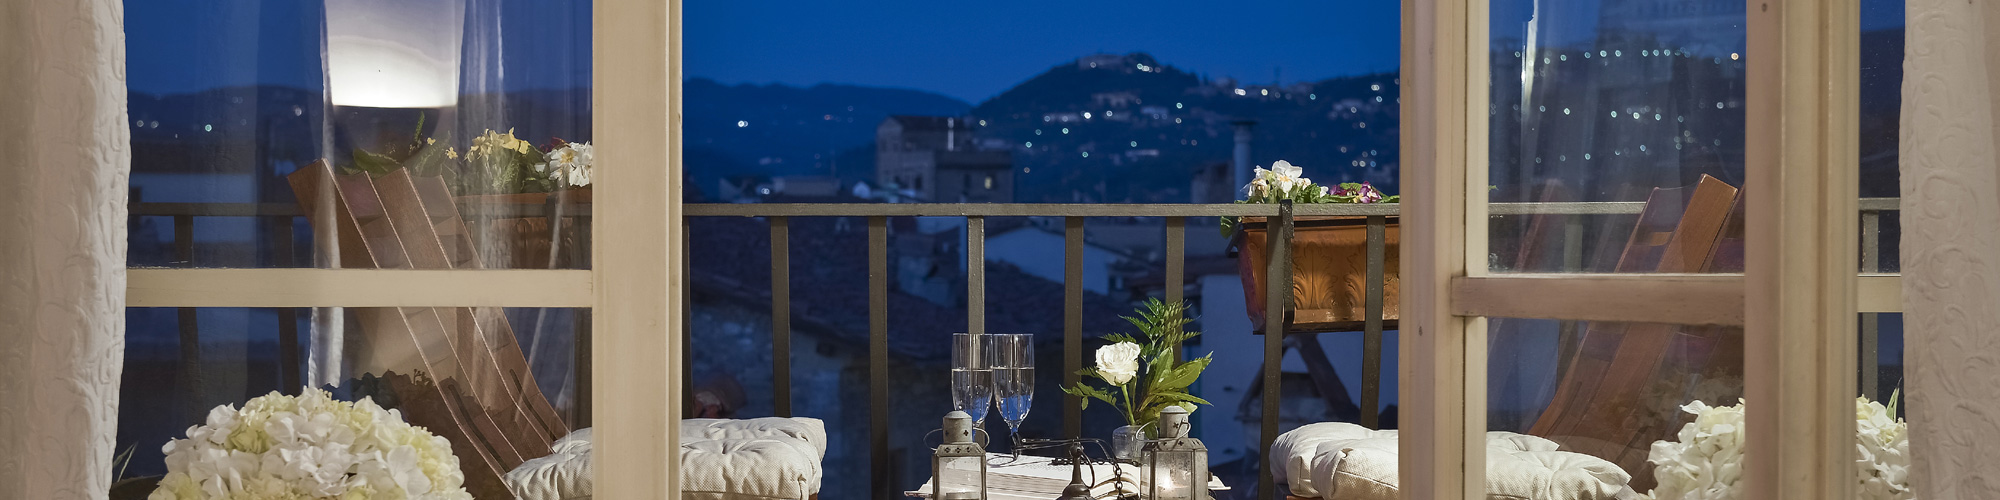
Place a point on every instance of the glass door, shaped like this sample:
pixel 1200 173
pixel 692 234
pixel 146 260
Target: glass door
pixel 1626 229
pixel 399 203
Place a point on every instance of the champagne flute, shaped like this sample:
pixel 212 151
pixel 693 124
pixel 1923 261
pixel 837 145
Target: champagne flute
pixel 971 377
pixel 1012 359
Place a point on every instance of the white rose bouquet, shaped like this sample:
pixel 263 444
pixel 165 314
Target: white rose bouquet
pixel 1142 372
pixel 1283 181
pixel 309 446
pixel 1707 462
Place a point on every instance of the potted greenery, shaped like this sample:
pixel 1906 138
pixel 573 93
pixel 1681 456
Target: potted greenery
pixel 496 174
pixel 1329 253
pixel 1142 374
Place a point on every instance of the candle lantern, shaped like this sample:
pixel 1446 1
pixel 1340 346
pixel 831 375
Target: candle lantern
pixel 958 469
pixel 1175 466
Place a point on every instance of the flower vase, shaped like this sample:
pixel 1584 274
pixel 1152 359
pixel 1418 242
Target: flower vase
pixel 1126 441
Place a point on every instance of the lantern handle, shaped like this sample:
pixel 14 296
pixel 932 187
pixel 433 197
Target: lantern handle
pixel 975 438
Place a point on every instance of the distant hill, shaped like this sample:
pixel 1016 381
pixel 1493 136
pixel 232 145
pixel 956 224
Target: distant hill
pixel 1149 129
pixel 1150 126
pixel 791 130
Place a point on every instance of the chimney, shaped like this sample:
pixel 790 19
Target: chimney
pixel 1242 166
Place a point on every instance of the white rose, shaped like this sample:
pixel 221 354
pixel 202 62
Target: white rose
pixel 1118 363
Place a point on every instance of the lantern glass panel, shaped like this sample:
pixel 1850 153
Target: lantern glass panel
pixel 961 478
pixel 1172 475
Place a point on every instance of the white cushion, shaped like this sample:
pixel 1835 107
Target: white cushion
pixel 810 430
pixel 1348 462
pixel 563 475
pixel 759 469
pixel 753 459
pixel 1293 452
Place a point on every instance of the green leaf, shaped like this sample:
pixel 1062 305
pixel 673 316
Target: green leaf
pixel 1182 397
pixel 374 163
pixel 1087 392
pixel 1895 397
pixel 1180 377
pixel 417 137
pixel 430 159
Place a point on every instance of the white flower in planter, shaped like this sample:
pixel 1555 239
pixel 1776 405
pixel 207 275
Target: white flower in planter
pixel 571 164
pixel 1118 363
pixel 1285 177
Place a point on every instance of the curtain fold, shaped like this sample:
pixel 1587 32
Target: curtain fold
pixel 65 164
pixel 1951 246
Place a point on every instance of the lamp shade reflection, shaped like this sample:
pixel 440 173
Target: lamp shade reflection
pixel 393 53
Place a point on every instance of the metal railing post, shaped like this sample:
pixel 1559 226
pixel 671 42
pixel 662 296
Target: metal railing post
pixel 878 358
pixel 975 275
pixel 1072 323
pixel 1174 281
pixel 781 317
pixel 1871 323
pixel 1277 301
pixel 191 383
pixel 290 357
pixel 1371 332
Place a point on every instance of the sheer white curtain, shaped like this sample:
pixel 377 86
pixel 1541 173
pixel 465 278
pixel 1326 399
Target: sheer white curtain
pixel 64 168
pixel 1951 245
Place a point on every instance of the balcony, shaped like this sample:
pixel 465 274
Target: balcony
pixel 890 466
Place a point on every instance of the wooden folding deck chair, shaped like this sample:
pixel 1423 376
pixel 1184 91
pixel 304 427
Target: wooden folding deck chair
pixel 485 401
pixel 1605 403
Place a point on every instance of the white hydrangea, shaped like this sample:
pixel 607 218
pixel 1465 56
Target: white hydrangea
pixel 571 164
pixel 1882 458
pixel 308 447
pixel 1707 461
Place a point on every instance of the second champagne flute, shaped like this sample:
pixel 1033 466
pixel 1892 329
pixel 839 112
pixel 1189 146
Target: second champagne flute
pixel 1012 359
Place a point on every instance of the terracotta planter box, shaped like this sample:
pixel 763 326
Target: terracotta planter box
pixel 515 242
pixel 1329 272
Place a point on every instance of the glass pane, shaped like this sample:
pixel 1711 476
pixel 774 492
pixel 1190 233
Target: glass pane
pixel 1597 407
pixel 360 133
pixel 1880 126
pixel 1616 136
pixel 1883 466
pixel 428 363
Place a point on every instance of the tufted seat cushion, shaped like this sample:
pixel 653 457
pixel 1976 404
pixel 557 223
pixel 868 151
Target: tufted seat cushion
pixel 747 469
pixel 754 459
pixel 1349 462
pixel 809 430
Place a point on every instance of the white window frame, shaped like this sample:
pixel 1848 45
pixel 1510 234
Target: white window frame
pixel 634 288
pixel 1798 301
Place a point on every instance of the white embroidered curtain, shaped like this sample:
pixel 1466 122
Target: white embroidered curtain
pixel 64 167
pixel 1951 246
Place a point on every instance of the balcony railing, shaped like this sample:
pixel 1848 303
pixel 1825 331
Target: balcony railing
pixel 975 214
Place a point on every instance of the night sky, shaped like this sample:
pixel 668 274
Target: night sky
pixel 974 50
pixel 967 50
